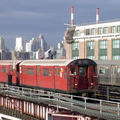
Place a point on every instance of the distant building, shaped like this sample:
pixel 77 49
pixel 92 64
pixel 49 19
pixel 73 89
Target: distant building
pixel 43 44
pixel 16 55
pixel 37 44
pixel 5 55
pixel 50 54
pixel 2 44
pixel 99 41
pixel 19 45
pixel 60 51
pixel 40 54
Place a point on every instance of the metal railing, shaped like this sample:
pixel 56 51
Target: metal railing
pixel 76 103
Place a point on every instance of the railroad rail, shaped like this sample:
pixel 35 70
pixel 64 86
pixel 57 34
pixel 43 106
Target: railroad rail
pixel 108 93
pixel 88 106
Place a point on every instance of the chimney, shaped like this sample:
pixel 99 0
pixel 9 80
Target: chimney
pixel 72 15
pixel 97 15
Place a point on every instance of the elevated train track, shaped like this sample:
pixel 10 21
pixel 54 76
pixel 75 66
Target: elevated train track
pixel 103 109
pixel 108 93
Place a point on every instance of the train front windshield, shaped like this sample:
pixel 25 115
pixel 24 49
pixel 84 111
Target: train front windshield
pixel 82 71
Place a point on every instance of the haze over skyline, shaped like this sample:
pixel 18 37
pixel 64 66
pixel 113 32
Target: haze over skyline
pixel 29 18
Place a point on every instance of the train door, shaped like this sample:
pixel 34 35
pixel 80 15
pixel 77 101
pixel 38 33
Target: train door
pixel 56 73
pixel 22 74
pixel 82 78
pixel 17 75
pixel 113 75
pixel 38 76
pixel 73 83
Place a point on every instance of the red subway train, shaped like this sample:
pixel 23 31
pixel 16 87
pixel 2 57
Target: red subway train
pixel 64 75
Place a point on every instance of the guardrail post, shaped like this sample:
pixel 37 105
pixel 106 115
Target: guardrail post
pixel 108 93
pixel 71 99
pixel 22 91
pixel 85 103
pixel 58 95
pixel 100 106
pixel 118 109
pixel 30 93
pixel 7 87
pixel 18 91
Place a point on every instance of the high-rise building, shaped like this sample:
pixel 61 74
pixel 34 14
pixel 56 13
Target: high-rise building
pixel 19 46
pixel 37 44
pixel 43 45
pixel 2 45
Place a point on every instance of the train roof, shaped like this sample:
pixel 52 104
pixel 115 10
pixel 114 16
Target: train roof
pixel 9 62
pixel 47 62
pixel 56 62
pixel 108 62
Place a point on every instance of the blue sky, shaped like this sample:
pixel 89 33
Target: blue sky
pixel 29 18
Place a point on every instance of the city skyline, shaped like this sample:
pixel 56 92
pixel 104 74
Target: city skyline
pixel 28 19
pixel 33 45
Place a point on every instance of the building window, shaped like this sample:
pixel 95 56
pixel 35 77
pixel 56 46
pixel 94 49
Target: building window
pixel 75 50
pixel 118 28
pixel 77 33
pixel 116 49
pixel 102 57
pixel 90 45
pixel 103 50
pixel 113 29
pixel 93 31
pixel 99 30
pixel 116 44
pixel 30 71
pixel 87 31
pixel 90 57
pixel 105 30
pixel 103 44
pixel 90 49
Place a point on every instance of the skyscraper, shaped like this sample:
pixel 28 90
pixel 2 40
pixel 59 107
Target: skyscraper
pixel 19 46
pixel 37 44
pixel 2 45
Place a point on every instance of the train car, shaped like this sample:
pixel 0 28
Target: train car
pixel 65 75
pixel 9 72
pixel 109 72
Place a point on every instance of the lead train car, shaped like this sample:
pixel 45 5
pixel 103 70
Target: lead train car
pixel 71 76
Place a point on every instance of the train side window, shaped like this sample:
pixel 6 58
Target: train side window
pixel 72 71
pixel 47 72
pixel 82 71
pixel 118 70
pixel 56 70
pixel 30 71
pixel 102 70
pixel 4 69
